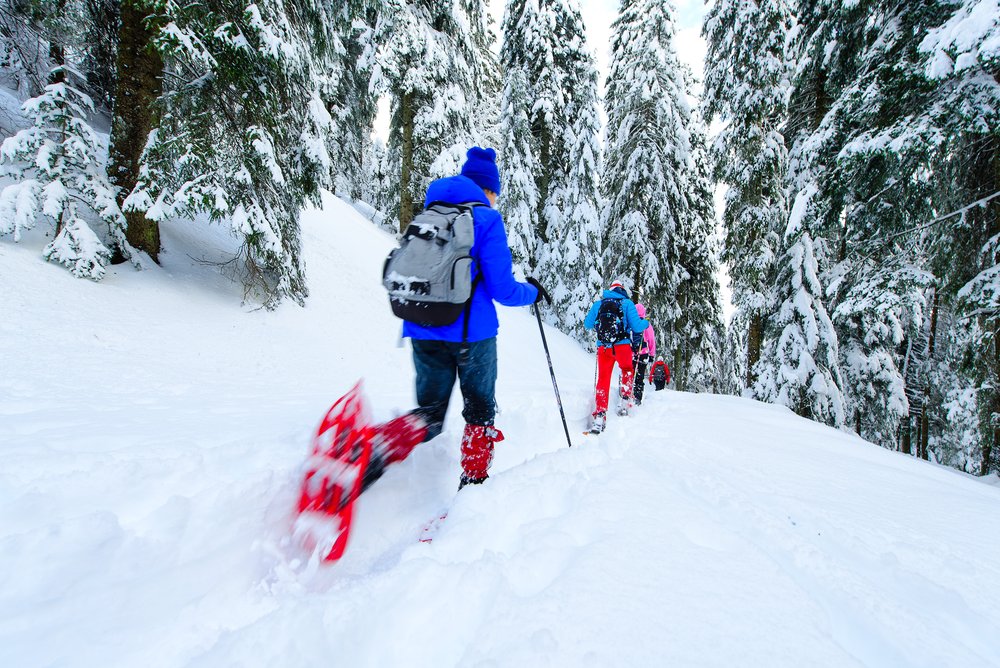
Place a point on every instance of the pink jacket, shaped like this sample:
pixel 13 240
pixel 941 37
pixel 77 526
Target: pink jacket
pixel 648 338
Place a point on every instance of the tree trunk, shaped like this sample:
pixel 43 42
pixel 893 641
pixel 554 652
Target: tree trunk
pixel 924 419
pixel 139 72
pixel 993 436
pixel 984 177
pixel 544 134
pixel 407 114
pixel 57 54
pixel 992 212
pixel 637 281
pixel 906 445
pixel 755 339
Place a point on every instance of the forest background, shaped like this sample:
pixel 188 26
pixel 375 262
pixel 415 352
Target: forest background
pixel 856 143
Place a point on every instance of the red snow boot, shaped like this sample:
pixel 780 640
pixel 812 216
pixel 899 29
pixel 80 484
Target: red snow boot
pixel 477 452
pixel 393 441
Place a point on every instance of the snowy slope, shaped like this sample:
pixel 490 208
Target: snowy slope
pixel 151 433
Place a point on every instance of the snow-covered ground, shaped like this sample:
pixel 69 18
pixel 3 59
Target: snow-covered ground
pixel 152 432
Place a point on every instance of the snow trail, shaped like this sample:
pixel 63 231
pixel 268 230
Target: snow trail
pixel 153 433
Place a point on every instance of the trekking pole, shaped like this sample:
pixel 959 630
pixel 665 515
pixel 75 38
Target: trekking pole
pixel 555 387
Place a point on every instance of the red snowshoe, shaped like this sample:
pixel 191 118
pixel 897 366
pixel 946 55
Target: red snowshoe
pixel 334 473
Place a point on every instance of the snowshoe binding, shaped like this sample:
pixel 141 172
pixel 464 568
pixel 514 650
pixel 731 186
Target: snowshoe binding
pixel 598 423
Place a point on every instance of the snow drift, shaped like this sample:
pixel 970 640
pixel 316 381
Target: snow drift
pixel 152 430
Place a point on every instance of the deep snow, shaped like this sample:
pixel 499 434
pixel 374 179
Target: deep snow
pixel 152 432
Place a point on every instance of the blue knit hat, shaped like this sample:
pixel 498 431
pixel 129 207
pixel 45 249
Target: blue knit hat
pixel 481 166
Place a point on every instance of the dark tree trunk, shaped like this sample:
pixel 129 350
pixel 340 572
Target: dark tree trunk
pixel 924 418
pixel 544 135
pixel 755 339
pixel 993 436
pixel 992 213
pixel 407 114
pixel 57 55
pixel 983 173
pixel 139 73
pixel 907 441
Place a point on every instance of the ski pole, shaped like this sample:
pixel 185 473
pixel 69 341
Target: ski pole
pixel 555 387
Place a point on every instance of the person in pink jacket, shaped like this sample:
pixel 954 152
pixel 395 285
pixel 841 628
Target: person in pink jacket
pixel 645 352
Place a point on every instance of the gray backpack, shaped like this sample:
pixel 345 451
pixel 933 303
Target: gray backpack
pixel 429 277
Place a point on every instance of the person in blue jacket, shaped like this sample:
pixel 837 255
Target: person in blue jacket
pixel 610 352
pixel 440 354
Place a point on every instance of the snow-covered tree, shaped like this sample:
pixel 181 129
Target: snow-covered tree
pixel 59 176
pixel 699 332
pixel 963 60
pixel 568 263
pixel 377 173
pixel 102 22
pixel 648 159
pixel 874 317
pixel 345 89
pixel 955 437
pixel 799 365
pixel 746 88
pixel 244 134
pixel 435 63
pixel 551 153
pixel 519 165
pixel 24 56
pixel 531 40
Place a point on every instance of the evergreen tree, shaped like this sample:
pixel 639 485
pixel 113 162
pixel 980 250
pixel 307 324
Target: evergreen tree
pixel 346 92
pixel 529 53
pixel 963 60
pixel 377 172
pixel 700 332
pixel 746 86
pixel 519 165
pixel 799 365
pixel 881 307
pixel 568 262
pixel 59 176
pixel 102 22
pixel 570 223
pixel 878 187
pixel 436 66
pixel 649 161
pixel 23 47
pixel 244 134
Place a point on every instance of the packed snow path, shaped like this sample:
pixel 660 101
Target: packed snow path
pixel 151 433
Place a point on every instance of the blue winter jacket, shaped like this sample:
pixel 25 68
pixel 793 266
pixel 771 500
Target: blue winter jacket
pixel 492 259
pixel 632 320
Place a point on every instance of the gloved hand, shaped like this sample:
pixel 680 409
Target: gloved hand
pixel 542 292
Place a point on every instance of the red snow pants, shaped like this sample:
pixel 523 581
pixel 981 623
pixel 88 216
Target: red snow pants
pixel 606 358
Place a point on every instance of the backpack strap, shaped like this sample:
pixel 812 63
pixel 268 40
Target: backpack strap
pixel 468 308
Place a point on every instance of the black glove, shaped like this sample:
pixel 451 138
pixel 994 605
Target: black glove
pixel 542 293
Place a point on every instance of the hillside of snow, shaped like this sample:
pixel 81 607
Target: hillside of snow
pixel 152 432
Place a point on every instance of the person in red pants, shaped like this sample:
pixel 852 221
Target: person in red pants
pixel 614 318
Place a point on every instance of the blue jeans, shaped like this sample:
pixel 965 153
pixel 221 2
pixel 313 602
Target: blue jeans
pixel 437 363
